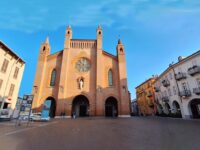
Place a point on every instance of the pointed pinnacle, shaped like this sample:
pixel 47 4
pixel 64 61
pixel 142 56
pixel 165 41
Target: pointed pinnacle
pixel 119 41
pixel 47 40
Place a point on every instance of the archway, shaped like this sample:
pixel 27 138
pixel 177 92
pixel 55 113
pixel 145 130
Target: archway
pixel 111 109
pixel 159 109
pixel 80 106
pixel 49 107
pixel 195 108
pixel 167 108
pixel 176 107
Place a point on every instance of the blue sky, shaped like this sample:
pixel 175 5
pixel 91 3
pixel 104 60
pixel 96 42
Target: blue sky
pixel 154 32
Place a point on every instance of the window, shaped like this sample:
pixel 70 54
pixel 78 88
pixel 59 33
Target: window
pixel 198 82
pixel 179 69
pixel 174 89
pixel 165 93
pixel 170 76
pixel 1 82
pixel 5 65
pixel 194 62
pixel 110 77
pixel 53 78
pixel 12 86
pixel 16 73
pixel 169 92
pixel 184 86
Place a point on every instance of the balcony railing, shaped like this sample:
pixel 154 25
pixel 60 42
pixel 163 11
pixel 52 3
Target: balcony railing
pixel 194 70
pixel 196 91
pixel 166 83
pixel 180 76
pixel 165 99
pixel 185 93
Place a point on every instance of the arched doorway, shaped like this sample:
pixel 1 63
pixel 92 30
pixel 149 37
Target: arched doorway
pixel 111 109
pixel 80 106
pixel 176 107
pixel 159 109
pixel 49 107
pixel 195 108
pixel 167 108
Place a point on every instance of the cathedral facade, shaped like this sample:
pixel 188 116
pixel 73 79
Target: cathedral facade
pixel 82 79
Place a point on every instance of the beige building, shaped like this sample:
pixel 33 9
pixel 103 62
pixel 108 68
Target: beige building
pixel 178 88
pixel 11 71
pixel 82 79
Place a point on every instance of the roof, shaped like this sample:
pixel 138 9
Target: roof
pixel 146 81
pixel 179 62
pixel 56 53
pixel 106 53
pixel 3 45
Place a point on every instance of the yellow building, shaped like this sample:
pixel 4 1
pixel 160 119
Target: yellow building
pixel 145 94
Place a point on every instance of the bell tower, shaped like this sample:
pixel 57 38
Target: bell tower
pixel 99 73
pixel 99 38
pixel 68 37
pixel 40 73
pixel 45 48
pixel 124 93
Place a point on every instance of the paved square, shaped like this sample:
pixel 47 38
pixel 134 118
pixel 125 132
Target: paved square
pixel 136 133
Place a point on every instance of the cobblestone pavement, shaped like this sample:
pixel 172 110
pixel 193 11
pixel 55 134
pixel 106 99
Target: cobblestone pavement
pixel 137 133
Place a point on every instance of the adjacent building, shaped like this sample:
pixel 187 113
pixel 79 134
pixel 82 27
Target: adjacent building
pixel 82 78
pixel 11 71
pixel 134 108
pixel 178 88
pixel 145 96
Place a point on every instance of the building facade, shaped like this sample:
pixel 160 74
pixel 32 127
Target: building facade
pixel 82 79
pixel 178 88
pixel 11 71
pixel 145 96
pixel 134 108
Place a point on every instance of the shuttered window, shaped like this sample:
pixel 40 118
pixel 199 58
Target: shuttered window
pixel 5 65
pixel 16 72
pixel 12 86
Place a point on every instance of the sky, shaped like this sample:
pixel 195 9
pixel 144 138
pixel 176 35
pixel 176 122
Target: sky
pixel 154 32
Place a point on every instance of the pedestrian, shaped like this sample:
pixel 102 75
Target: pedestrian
pixel 74 115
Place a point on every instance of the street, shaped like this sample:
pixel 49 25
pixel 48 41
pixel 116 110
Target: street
pixel 136 133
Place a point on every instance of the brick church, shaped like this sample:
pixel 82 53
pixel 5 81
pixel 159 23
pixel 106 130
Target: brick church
pixel 82 79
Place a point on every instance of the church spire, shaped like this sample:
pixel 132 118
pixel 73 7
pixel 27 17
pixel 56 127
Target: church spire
pixel 68 37
pixel 47 40
pixel 119 41
pixel 99 37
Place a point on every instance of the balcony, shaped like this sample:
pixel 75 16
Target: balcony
pixel 179 76
pixel 166 83
pixel 156 89
pixel 165 99
pixel 194 70
pixel 185 93
pixel 196 91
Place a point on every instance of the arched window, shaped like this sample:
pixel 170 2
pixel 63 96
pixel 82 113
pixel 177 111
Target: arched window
pixel 53 78
pixel 110 78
